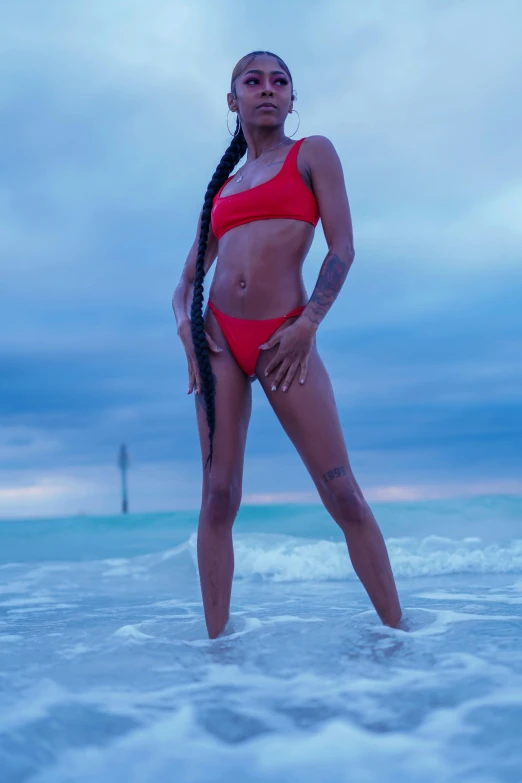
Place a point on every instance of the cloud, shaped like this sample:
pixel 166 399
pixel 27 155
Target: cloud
pixel 398 494
pixel 116 122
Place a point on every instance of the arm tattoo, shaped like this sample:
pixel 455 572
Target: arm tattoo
pixel 335 473
pixel 331 278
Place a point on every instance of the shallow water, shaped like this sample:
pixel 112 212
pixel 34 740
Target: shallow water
pixel 107 673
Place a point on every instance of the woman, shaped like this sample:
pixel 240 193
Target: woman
pixel 259 323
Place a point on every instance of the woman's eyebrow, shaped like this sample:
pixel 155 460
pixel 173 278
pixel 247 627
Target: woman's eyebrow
pixel 272 73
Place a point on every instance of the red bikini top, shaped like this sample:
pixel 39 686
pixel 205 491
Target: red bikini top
pixel 283 196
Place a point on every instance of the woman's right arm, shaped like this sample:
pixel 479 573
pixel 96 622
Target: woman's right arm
pixel 181 302
pixel 182 298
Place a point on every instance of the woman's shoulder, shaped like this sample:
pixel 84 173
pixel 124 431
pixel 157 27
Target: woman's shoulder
pixel 318 150
pixel 318 143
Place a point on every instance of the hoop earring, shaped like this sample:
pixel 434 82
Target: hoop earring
pixel 294 111
pixel 238 124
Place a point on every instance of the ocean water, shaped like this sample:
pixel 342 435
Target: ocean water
pixel 106 672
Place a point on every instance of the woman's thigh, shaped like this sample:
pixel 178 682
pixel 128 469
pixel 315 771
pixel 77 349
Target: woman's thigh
pixel 309 416
pixel 233 404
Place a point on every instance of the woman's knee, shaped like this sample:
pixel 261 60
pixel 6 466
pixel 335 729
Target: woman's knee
pixel 346 503
pixel 221 501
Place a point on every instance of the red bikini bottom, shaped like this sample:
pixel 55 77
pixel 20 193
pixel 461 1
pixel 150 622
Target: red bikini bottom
pixel 244 336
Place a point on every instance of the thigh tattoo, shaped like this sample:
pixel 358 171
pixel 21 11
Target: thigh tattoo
pixel 200 398
pixel 334 473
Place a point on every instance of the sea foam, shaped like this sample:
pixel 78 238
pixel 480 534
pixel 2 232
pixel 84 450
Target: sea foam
pixel 286 558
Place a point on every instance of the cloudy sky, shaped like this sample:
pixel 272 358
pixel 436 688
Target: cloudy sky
pixel 113 120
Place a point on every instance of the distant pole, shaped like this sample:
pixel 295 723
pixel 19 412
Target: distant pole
pixel 123 462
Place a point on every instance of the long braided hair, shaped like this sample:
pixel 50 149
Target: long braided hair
pixel 226 165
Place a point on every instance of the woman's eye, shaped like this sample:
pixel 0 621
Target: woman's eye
pixel 256 81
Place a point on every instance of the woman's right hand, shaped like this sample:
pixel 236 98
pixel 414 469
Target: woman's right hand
pixel 185 335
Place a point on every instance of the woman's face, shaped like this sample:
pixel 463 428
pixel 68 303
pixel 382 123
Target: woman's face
pixel 262 82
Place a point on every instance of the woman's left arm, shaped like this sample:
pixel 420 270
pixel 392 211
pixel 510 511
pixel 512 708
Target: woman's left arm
pixel 330 191
pixel 296 341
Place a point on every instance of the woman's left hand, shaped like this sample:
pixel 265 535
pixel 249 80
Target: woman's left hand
pixel 295 346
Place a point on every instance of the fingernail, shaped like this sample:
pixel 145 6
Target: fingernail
pixel 266 374
pixel 274 388
pixel 301 382
pixel 284 388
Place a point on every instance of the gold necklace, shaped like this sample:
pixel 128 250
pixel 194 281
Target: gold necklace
pixel 271 148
